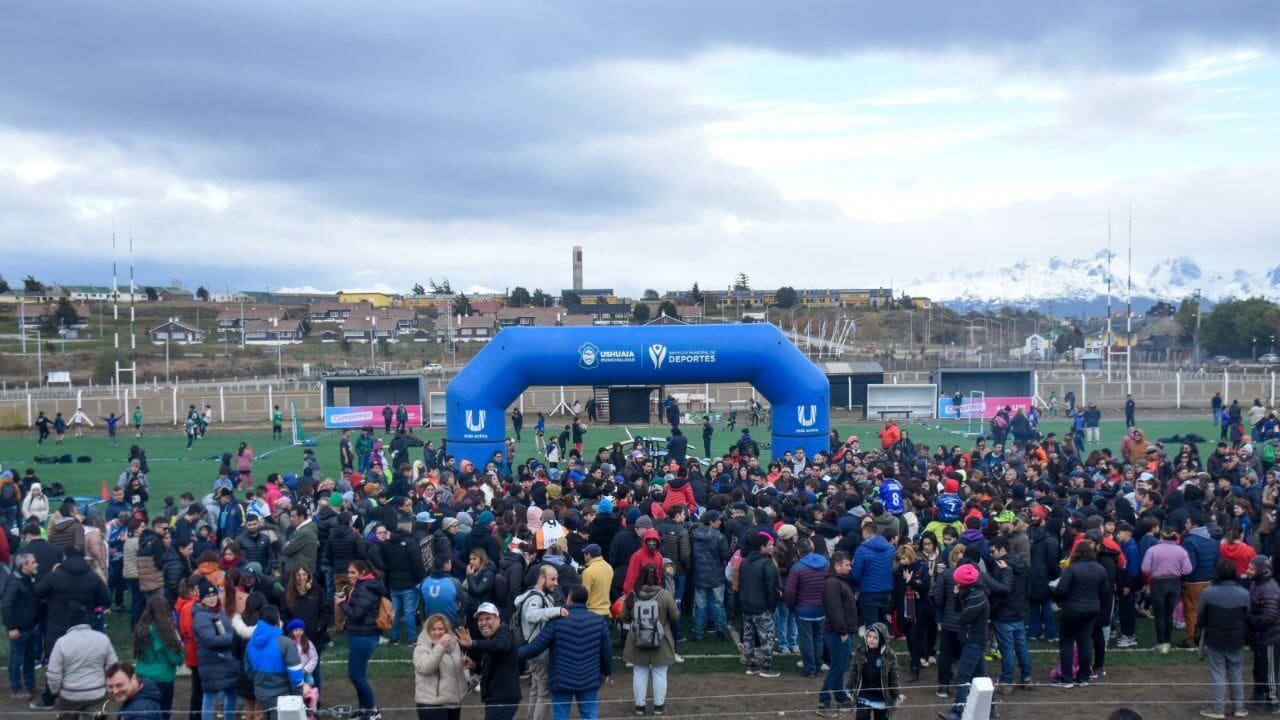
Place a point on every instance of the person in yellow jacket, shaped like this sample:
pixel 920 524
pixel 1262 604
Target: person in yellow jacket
pixel 597 578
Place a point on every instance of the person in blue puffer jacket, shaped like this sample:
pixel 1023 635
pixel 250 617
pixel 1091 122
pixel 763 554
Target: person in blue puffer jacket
pixel 273 662
pixel 803 594
pixel 1203 552
pixel 872 574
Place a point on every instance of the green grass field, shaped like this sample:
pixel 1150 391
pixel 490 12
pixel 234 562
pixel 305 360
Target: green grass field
pixel 174 470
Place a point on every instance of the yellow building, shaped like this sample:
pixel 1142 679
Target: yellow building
pixel 376 299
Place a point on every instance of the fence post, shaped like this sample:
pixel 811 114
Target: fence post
pixel 1084 389
pixel 978 705
pixel 270 399
pixel 175 404
pixel 222 404
pixel 1273 389
pixel 29 418
pixel 1226 387
pixel 1177 384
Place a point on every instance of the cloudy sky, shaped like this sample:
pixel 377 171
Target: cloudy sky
pixel 288 144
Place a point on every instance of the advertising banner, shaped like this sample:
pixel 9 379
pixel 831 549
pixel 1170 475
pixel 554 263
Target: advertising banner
pixel 987 407
pixel 358 416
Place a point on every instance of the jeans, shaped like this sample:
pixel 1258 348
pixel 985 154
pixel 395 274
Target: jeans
pixel 406 605
pixel 115 582
pixel 873 607
pixel 1012 639
pixel 784 621
pixel 1128 612
pixel 968 667
pixel 208 707
pixel 588 704
pixel 704 600
pixel 1040 622
pixel 809 636
pixel 166 698
pixel 1077 634
pixel 949 647
pixel 1226 669
pixel 840 652
pixel 640 675
pixel 136 601
pixel 23 652
pixel 359 649
pixel 539 705
pixel 679 598
pixel 1164 596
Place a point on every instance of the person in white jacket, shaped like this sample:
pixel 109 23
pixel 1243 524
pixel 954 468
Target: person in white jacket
pixel 35 504
pixel 78 421
pixel 77 670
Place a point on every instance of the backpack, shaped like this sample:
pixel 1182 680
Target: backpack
pixel 1268 452
pixel 646 625
pixel 501 587
pixel 8 494
pixel 7 575
pixel 515 623
pixel 386 614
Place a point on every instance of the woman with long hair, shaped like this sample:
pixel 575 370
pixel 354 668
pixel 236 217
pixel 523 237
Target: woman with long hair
pixel 244 466
pixel 158 650
pixel 304 600
pixel 910 598
pixel 1080 593
pixel 360 606
pixel 440 682
pixel 95 543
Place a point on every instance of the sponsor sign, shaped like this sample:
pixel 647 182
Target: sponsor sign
pixel 985 408
pixel 357 416
pixel 661 356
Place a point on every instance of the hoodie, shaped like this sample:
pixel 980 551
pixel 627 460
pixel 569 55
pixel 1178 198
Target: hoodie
pixel 272 661
pixel 805 584
pixel 873 566
pixel 643 556
pixel 1203 552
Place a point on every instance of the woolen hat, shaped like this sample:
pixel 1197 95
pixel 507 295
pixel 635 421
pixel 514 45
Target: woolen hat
pixel 966 575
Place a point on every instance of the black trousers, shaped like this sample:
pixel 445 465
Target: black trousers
pixel 1075 632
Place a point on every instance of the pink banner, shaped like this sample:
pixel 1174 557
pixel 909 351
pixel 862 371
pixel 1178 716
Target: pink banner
pixel 986 408
pixel 367 415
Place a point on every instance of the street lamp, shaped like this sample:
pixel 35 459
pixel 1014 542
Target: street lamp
pixel 1253 353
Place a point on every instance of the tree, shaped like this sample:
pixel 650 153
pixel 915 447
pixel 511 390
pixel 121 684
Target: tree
pixel 202 294
pixel 461 305
pixel 669 309
pixel 152 295
pixel 32 285
pixel 305 326
pixel 443 288
pixel 1186 315
pixel 344 345
pixel 519 297
pixel 4 285
pixel 418 289
pixel 1068 341
pixel 640 314
pixel 1235 326
pixel 695 295
pixel 542 299
pixel 650 294
pixel 742 282
pixel 785 298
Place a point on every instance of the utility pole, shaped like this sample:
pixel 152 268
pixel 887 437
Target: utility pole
pixel 1128 314
pixel 22 320
pixel 1195 342
pixel 1107 339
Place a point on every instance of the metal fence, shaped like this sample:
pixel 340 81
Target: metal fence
pixel 251 401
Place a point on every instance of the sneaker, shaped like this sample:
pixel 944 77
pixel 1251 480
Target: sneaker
pixel 639 709
pixel 795 650
pixel 1063 684
pixel 825 667
pixel 384 641
pixel 752 671
pixel 940 692
pixel 1125 641
pixel 1211 714
pixel 949 715
pixel 1097 674
pixel 1026 683
pixel 1082 683
pixel 182 671
pixel 826 711
pixel 1004 689
pixel 1164 648
pixel 844 708
pixel 679 659
pixel 23 696
pixel 769 673
pixel 374 714
pixel 1240 713
pixel 38 704
pixel 800 663
pixel 658 710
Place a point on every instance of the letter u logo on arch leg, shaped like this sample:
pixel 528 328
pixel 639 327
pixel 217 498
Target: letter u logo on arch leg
pixel 475 423
pixel 806 420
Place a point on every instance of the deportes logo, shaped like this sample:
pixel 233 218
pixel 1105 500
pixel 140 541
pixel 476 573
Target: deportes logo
pixel 475 423
pixel 657 355
pixel 589 356
pixel 806 420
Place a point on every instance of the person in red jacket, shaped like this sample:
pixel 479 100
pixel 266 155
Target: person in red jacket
pixel 649 554
pixel 890 434
pixel 188 598
pixel 680 492
pixel 1240 553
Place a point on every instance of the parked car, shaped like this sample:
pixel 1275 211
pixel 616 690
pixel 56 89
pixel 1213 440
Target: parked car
pixel 1270 359
pixel 1221 360
pixel 432 369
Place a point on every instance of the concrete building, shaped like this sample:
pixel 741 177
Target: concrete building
pixel 577 267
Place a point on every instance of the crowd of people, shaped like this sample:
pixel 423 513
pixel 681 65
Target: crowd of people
pixel 522 568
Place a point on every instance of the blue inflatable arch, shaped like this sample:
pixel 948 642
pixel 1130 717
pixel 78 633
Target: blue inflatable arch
pixel 518 358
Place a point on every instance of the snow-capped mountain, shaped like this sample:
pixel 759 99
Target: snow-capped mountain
pixel 1080 284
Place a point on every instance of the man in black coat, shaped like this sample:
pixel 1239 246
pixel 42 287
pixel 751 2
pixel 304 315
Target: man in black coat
pixel 46 553
pixel 1009 613
pixel 255 545
pixel 22 619
pixel 495 655
pixel 758 594
pixel 402 561
pixel 72 582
